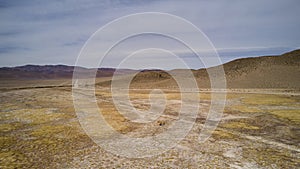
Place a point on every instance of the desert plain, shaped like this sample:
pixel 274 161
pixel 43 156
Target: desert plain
pixel 259 128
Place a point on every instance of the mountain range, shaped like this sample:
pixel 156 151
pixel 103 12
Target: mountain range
pixel 281 71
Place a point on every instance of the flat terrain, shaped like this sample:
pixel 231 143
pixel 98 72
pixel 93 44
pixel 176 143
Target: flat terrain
pixel 260 128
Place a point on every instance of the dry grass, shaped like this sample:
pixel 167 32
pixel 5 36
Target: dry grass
pixel 115 119
pixel 239 125
pixel 219 96
pixel 35 116
pixel 292 114
pixel 268 99
pixel 6 141
pixel 11 159
pixel 268 156
pixel 219 134
pixel 7 127
pixel 245 108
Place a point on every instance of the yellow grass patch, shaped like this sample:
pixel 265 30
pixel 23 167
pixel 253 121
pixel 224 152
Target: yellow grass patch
pixel 114 118
pixel 268 99
pixel 291 114
pixel 37 116
pixel 234 125
pixel 6 141
pixel 244 108
pixel 218 96
pixel 6 127
pixel 48 130
pixel 219 134
pixel 11 159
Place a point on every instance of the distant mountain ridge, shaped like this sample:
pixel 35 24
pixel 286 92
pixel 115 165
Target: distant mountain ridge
pixel 52 72
pixel 280 71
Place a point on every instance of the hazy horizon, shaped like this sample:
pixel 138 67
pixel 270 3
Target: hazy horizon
pixel 146 68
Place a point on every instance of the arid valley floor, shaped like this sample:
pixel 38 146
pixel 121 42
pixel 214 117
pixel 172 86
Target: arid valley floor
pixel 260 128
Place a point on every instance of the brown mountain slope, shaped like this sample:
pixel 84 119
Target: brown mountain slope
pixel 265 72
pixel 257 72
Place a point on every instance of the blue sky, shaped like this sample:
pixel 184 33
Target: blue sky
pixel 53 32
